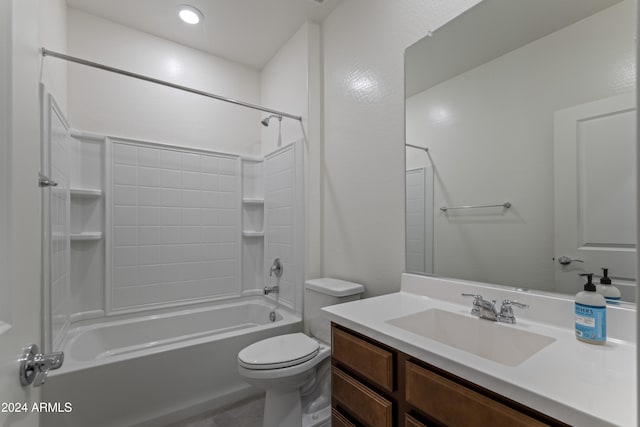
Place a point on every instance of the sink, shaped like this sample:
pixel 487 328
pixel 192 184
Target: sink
pixel 494 341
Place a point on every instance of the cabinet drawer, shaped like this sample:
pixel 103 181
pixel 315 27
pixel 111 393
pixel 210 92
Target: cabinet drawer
pixel 339 420
pixel 456 405
pixel 409 421
pixel 368 360
pixel 361 401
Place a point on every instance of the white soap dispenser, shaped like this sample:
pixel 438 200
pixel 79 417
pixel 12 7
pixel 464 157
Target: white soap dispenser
pixel 591 314
pixel 610 293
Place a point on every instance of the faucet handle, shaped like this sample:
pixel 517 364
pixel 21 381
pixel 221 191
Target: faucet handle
pixel 506 311
pixel 477 303
pixel 516 303
pixel 476 297
pixel 277 268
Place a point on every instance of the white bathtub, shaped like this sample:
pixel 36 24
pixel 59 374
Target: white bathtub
pixel 160 367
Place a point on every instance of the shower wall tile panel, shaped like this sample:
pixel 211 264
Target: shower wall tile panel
pixel 175 226
pixel 415 237
pixel 279 170
pixel 252 220
pixel 59 249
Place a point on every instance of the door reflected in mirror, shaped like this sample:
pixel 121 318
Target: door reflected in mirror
pixel 520 133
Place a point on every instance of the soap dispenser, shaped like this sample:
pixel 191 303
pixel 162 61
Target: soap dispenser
pixel 591 314
pixel 610 293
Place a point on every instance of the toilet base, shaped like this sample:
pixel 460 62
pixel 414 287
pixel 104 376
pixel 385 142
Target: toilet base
pixel 321 418
pixel 284 408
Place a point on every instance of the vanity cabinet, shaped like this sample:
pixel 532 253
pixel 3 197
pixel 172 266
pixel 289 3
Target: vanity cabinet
pixel 376 385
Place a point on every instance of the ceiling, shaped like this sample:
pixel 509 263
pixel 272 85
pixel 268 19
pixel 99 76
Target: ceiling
pixel 486 31
pixel 249 32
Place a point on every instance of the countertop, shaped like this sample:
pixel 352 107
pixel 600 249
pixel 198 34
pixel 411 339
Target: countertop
pixel 574 382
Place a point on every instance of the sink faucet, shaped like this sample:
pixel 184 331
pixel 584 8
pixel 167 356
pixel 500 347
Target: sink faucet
pixel 485 309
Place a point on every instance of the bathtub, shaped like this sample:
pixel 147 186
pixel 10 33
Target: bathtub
pixel 160 367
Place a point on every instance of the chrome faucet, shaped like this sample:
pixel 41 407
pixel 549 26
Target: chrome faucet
pixel 485 309
pixel 276 268
pixel 271 289
pixel 506 312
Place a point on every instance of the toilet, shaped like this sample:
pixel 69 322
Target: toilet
pixel 294 369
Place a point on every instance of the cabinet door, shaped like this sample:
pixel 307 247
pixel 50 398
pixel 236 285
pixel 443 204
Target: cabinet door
pixel 455 405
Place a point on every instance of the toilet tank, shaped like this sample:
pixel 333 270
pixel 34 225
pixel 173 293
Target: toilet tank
pixel 323 292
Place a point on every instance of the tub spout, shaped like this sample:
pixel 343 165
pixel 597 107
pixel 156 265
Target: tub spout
pixel 271 289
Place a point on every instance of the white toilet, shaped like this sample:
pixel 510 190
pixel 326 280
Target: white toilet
pixel 294 369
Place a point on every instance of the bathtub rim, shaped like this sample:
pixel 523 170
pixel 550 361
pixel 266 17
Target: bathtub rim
pixel 77 329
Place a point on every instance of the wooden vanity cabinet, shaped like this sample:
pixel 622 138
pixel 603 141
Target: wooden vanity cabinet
pixel 375 385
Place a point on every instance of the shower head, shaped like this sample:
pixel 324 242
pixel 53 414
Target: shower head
pixel 265 122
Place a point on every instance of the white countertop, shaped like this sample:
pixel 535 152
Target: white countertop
pixel 577 383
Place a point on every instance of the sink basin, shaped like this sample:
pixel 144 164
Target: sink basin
pixel 494 341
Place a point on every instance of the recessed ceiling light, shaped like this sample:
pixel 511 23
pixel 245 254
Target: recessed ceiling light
pixel 189 14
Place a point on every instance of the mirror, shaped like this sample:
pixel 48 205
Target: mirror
pixel 520 145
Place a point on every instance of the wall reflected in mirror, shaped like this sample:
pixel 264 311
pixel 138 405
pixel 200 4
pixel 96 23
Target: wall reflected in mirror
pixel 530 103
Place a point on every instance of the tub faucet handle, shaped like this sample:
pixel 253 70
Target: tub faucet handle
pixel 276 268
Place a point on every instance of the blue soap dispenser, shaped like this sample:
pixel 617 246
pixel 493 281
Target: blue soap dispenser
pixel 591 314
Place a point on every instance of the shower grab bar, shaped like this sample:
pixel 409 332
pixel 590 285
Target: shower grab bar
pixel 505 205
pixel 47 52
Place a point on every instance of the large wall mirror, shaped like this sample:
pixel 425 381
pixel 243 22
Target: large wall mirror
pixel 521 141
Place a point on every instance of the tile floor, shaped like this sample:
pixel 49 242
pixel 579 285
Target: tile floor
pixel 247 413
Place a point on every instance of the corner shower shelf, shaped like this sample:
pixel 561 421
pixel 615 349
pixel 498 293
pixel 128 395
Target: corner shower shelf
pixel 87 193
pixel 87 236
pixel 247 233
pixel 253 201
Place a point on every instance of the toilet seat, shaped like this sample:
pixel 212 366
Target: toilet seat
pixel 278 352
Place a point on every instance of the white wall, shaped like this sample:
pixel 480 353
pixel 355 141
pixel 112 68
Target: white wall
pixel 290 82
pixel 637 63
pixel 5 161
pixel 283 86
pixel 117 105
pixel 53 23
pixel 490 135
pixel 28 34
pixel 364 42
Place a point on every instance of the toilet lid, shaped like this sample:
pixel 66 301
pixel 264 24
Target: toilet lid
pixel 278 352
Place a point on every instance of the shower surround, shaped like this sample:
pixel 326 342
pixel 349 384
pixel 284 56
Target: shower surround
pixel 161 271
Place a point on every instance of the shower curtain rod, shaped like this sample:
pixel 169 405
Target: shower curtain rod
pixel 418 147
pixel 46 52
